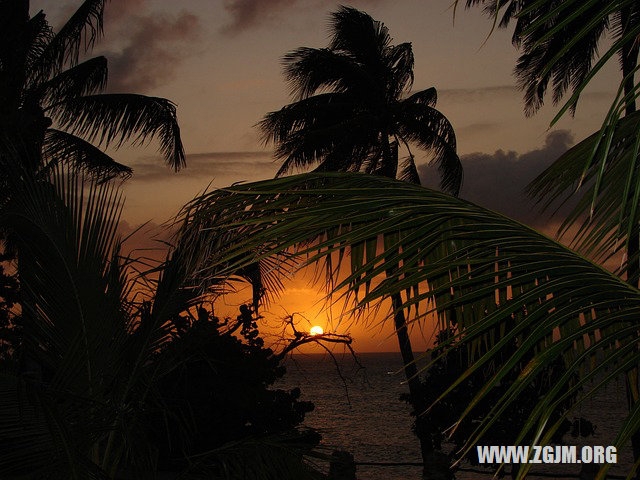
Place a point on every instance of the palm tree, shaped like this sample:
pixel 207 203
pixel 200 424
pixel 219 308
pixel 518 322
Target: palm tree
pixel 43 84
pixel 86 402
pixel 508 284
pixel 51 108
pixel 559 40
pixel 352 112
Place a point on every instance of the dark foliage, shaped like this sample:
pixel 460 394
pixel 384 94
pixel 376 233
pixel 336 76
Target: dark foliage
pixel 219 390
pixel 558 50
pixel 9 321
pixel 45 80
pixel 354 109
pixel 505 431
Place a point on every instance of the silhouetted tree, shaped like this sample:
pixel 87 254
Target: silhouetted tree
pixel 52 109
pixel 43 84
pixel 353 112
pixel 558 49
pixel 353 109
pixel 552 52
pixel 560 308
pixel 559 41
pixel 507 427
pixel 106 367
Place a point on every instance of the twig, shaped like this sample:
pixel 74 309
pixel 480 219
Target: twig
pixel 302 338
pixel 344 380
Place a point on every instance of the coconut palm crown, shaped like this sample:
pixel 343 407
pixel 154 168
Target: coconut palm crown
pixel 44 83
pixel 353 108
pixel 559 40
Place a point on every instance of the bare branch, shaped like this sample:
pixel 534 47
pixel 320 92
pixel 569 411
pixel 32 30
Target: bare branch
pixel 302 338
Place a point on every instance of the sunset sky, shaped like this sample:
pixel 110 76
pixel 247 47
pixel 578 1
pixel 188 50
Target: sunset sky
pixel 219 61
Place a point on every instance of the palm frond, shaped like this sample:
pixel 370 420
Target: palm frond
pixel 65 254
pixel 605 170
pixel 495 281
pixel 318 109
pixel 38 35
pixel 84 79
pixel 400 59
pixel 77 35
pixel 321 129
pixel 23 38
pixel 559 40
pixel 492 8
pixel 358 34
pixel 63 148
pixel 587 28
pixel 112 119
pixel 555 59
pixel 310 70
pixel 427 97
pixel 409 171
pixel 431 130
pixel 75 323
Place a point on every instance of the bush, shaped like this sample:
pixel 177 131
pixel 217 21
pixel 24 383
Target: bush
pixel 217 390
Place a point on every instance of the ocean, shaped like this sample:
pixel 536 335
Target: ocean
pixel 359 410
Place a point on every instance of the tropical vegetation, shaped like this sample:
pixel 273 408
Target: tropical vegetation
pixel 354 111
pixel 492 281
pixel 105 376
pixel 125 374
pixel 54 110
pixel 559 42
pixel 111 367
pixel 354 108
pixel 52 102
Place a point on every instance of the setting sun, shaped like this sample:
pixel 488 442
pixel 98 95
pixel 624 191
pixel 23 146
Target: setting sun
pixel 316 330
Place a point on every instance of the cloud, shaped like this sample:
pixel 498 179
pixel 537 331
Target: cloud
pixel 210 165
pixel 250 13
pixel 497 181
pixel 114 11
pixel 144 50
pixel 155 46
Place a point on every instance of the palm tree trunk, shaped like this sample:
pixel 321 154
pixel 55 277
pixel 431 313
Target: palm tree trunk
pixel 433 466
pixel 629 62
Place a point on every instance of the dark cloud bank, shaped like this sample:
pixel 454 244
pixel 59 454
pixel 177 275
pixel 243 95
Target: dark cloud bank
pixel 497 181
pixel 249 13
pixel 156 46
pixel 145 49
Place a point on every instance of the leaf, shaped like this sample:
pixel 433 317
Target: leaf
pixel 112 119
pixel 468 256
